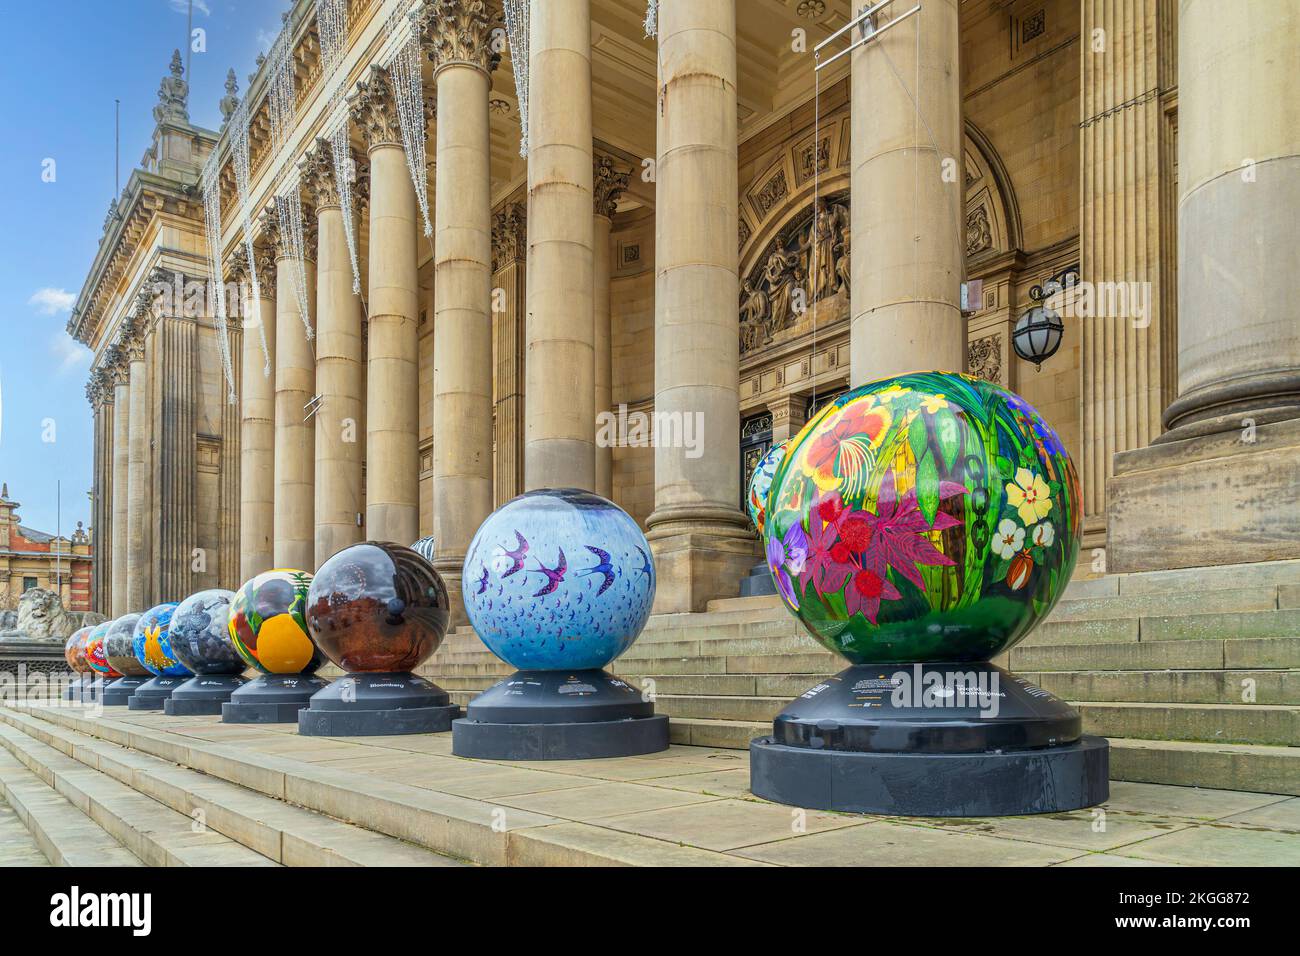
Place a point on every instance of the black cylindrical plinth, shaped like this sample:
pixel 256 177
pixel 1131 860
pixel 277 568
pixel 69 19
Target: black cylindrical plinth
pixel 75 690
pixel 367 705
pixel 203 694
pixel 964 739
pixel 118 693
pixel 559 715
pixel 271 699
pixel 153 694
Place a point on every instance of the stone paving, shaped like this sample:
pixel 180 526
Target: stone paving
pixel 695 797
pixel 17 848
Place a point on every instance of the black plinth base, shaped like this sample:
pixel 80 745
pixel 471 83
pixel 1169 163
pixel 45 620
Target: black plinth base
pixel 370 705
pixel 559 715
pixel 203 694
pixel 75 690
pixel 758 581
pixel 118 693
pixel 271 699
pixel 153 694
pixel 930 740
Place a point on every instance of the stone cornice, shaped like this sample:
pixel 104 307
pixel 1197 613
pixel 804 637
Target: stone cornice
pixel 458 32
pixel 607 185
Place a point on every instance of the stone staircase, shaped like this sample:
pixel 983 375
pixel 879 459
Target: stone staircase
pixel 88 801
pixel 1193 674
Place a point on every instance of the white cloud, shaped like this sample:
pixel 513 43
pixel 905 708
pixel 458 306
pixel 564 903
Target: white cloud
pixel 182 6
pixel 68 352
pixel 52 301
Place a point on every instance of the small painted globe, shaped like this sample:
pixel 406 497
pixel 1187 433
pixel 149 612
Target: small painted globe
pixel 558 580
pixel 377 607
pixel 424 547
pixel 930 517
pixel 119 646
pixel 151 642
pixel 200 634
pixel 760 483
pixel 267 625
pixel 97 651
pixel 74 652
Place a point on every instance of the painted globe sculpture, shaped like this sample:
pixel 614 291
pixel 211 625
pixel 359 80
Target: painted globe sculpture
pixel 200 634
pixel 267 625
pixel 760 483
pixel 930 517
pixel 74 652
pixel 558 579
pixel 97 651
pixel 377 607
pixel 151 642
pixel 424 547
pixel 119 646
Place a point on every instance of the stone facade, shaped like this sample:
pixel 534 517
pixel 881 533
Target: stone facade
pixel 699 226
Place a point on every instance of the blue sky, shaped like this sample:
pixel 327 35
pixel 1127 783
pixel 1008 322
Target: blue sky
pixel 62 65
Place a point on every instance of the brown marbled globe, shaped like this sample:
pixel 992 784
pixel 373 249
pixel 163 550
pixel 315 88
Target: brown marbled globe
pixel 377 607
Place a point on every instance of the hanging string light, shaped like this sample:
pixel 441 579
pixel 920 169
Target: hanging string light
pixel 288 209
pixel 652 18
pixel 517 35
pixel 210 186
pixel 332 25
pixel 408 88
pixel 239 155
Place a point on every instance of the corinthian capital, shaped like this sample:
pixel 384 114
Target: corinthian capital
pixel 458 32
pixel 374 108
pixel 509 235
pixel 607 185
pixel 317 169
pixel 270 221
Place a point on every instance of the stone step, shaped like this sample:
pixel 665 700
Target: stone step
pixel 715 707
pixel 1285 574
pixel 1180 763
pixel 65 835
pixel 1243 653
pixel 1211 723
pixel 757 602
pixel 1241 625
pixel 1174 686
pixel 1156 604
pixel 17 845
pixel 278 831
pixel 155 834
pixel 478 830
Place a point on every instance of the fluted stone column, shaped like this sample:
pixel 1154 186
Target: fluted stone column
pixel 392 377
pixel 1231 456
pixel 120 372
pixel 99 390
pixel 701 540
pixel 257 426
pixel 509 274
pixel 457 34
pixel 559 440
pixel 295 384
pixel 139 559
pixel 907 213
pixel 340 441
pixel 608 183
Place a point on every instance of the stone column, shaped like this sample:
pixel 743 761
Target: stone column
pixel 340 442
pixel 509 274
pixel 257 426
pixel 1126 159
pixel 908 211
pixel 295 384
pixel 120 378
pixel 701 541
pixel 608 184
pixel 559 439
pixel 138 496
pixel 457 33
pixel 1231 456
pixel 392 376
pixel 99 392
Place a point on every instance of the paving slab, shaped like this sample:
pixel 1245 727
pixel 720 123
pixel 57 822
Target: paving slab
pixel 1191 802
pixel 1096 829
pixel 587 804
pixel 1221 845
pixel 730 824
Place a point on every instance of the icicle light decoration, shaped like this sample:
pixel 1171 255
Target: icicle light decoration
pixel 281 104
pixel 288 209
pixel 239 155
pixel 408 87
pixel 652 18
pixel 332 26
pixel 210 184
pixel 517 34
pixel 345 175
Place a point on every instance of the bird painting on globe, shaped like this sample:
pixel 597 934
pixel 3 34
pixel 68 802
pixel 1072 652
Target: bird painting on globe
pixel 927 517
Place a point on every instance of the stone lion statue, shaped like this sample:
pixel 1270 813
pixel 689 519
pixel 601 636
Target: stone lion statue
pixel 42 616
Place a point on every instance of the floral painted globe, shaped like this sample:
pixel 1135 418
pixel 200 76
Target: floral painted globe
pixel 267 624
pixel 378 608
pixel 119 646
pixel 760 483
pixel 151 642
pixel 558 579
pixel 74 652
pixel 930 517
pixel 97 651
pixel 200 635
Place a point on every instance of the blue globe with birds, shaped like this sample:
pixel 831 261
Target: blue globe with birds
pixel 558 579
pixel 152 642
